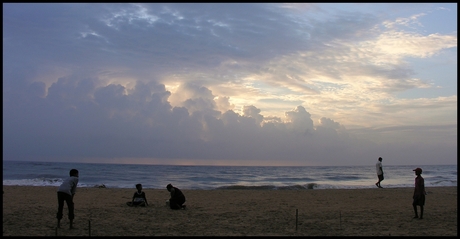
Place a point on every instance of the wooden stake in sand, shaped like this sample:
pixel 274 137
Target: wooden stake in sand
pixel 55 231
pixel 296 217
pixel 340 216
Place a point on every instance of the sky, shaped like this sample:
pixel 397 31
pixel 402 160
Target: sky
pixel 249 84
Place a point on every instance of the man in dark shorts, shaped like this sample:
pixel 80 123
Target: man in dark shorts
pixel 419 193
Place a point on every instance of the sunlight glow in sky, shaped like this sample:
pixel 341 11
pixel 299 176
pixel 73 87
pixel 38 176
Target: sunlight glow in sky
pixel 230 83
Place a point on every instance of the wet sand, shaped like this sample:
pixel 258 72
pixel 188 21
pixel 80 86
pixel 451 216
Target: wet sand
pixel 31 211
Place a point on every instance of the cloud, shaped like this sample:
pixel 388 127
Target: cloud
pixel 292 83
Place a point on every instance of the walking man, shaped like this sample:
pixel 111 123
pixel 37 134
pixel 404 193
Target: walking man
pixel 378 167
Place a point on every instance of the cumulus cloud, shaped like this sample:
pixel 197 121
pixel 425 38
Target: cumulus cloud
pixel 264 82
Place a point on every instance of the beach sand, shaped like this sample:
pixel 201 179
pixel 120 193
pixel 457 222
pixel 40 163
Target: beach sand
pixel 31 211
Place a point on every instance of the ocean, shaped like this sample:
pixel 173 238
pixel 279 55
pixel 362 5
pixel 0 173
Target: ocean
pixel 24 173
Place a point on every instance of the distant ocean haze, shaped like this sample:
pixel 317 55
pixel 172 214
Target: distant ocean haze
pixel 224 177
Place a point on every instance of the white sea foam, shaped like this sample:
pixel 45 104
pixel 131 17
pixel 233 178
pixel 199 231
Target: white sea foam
pixel 223 177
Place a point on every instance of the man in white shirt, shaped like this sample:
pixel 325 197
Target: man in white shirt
pixel 66 193
pixel 378 167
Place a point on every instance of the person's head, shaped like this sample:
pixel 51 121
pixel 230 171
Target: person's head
pixel 380 159
pixel 418 171
pixel 73 172
pixel 139 187
pixel 169 187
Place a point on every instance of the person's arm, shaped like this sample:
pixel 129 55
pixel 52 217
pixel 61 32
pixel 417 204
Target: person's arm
pixel 423 186
pixel 73 190
pixel 145 198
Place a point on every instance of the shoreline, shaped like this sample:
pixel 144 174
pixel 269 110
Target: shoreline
pixel 31 211
pixel 309 187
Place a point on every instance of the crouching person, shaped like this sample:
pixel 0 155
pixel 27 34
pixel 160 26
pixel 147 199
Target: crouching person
pixel 177 199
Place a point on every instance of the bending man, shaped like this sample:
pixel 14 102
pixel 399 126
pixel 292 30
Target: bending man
pixel 177 198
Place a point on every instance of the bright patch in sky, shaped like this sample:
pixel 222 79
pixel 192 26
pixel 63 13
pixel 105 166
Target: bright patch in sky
pixel 231 83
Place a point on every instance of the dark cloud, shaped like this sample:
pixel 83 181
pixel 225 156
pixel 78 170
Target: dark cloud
pixel 95 81
pixel 78 119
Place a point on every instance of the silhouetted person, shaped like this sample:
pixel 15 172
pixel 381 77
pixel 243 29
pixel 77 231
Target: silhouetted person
pixel 139 198
pixel 419 193
pixel 379 169
pixel 177 198
pixel 65 193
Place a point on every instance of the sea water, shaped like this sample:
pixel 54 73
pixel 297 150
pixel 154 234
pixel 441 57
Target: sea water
pixel 224 177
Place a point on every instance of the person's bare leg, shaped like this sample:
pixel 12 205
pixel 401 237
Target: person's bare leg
pixel 415 210
pixel 71 224
pixel 59 223
pixel 421 212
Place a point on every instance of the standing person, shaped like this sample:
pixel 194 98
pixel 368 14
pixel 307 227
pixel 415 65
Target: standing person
pixel 65 193
pixel 378 167
pixel 177 198
pixel 139 198
pixel 419 193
